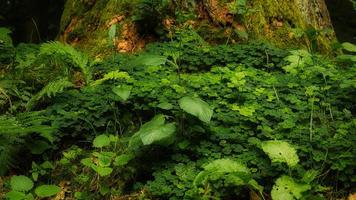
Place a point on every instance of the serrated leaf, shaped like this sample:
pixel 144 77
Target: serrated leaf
pixel 47 190
pixel 21 183
pixel 123 159
pixel 15 195
pixel 123 91
pixel 286 188
pixel 280 152
pixel 196 107
pixel 87 162
pixel 101 141
pixel 102 171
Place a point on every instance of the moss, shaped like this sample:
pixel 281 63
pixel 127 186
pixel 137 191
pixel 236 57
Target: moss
pixel 267 20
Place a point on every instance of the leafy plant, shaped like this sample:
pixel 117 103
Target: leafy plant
pixel 280 151
pixel 196 107
pixel 286 188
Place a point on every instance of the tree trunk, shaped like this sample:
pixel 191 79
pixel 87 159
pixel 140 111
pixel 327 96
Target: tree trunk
pixel 293 23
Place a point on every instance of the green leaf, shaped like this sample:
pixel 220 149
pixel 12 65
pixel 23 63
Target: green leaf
pixel 349 47
pixel 280 151
pixel 220 167
pixel 165 106
pixel 102 171
pixel 112 33
pixel 158 133
pixel 87 162
pixel 101 141
pixel 123 159
pixel 21 183
pixel 38 147
pixel 150 60
pixel 15 195
pixel 154 131
pixel 123 91
pixel 286 188
pixel 196 107
pixel 47 190
pixel 104 158
pixel 310 175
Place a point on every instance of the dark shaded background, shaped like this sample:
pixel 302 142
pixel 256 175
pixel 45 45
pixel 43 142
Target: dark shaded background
pixel 31 20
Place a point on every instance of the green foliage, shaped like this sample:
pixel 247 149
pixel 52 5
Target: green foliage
pixel 238 174
pixel 287 189
pixel 280 151
pixel 47 190
pixel 75 58
pixel 21 183
pixel 101 141
pixel 196 107
pixel 50 90
pixel 154 131
pixel 7 50
pixel 147 124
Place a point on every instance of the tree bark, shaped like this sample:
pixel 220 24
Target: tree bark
pixel 291 23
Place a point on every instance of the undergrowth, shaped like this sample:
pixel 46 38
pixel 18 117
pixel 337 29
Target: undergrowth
pixel 181 120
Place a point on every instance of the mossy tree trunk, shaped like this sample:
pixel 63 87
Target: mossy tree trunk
pixel 293 23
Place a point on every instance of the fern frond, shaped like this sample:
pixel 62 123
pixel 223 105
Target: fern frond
pixel 7 154
pixel 13 130
pixel 76 58
pixel 50 90
pixel 114 75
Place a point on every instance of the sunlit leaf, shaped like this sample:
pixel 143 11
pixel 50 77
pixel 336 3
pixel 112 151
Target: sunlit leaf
pixel 196 107
pixel 47 190
pixel 286 188
pixel 281 152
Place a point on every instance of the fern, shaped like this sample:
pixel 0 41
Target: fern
pixel 7 50
pixel 50 90
pixel 74 57
pixel 114 75
pixel 14 129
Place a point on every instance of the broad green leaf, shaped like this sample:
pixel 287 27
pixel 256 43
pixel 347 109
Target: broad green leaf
pixel 150 60
pixel 349 46
pixel 21 183
pixel 123 91
pixel 112 33
pixel 286 188
pixel 101 141
pixel 158 133
pixel 87 162
pixel 123 159
pixel 165 106
pixel 104 158
pixel 347 58
pixel 220 167
pixel 280 151
pixel 154 131
pixel 15 195
pixel 196 107
pixel 47 190
pixel 102 171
